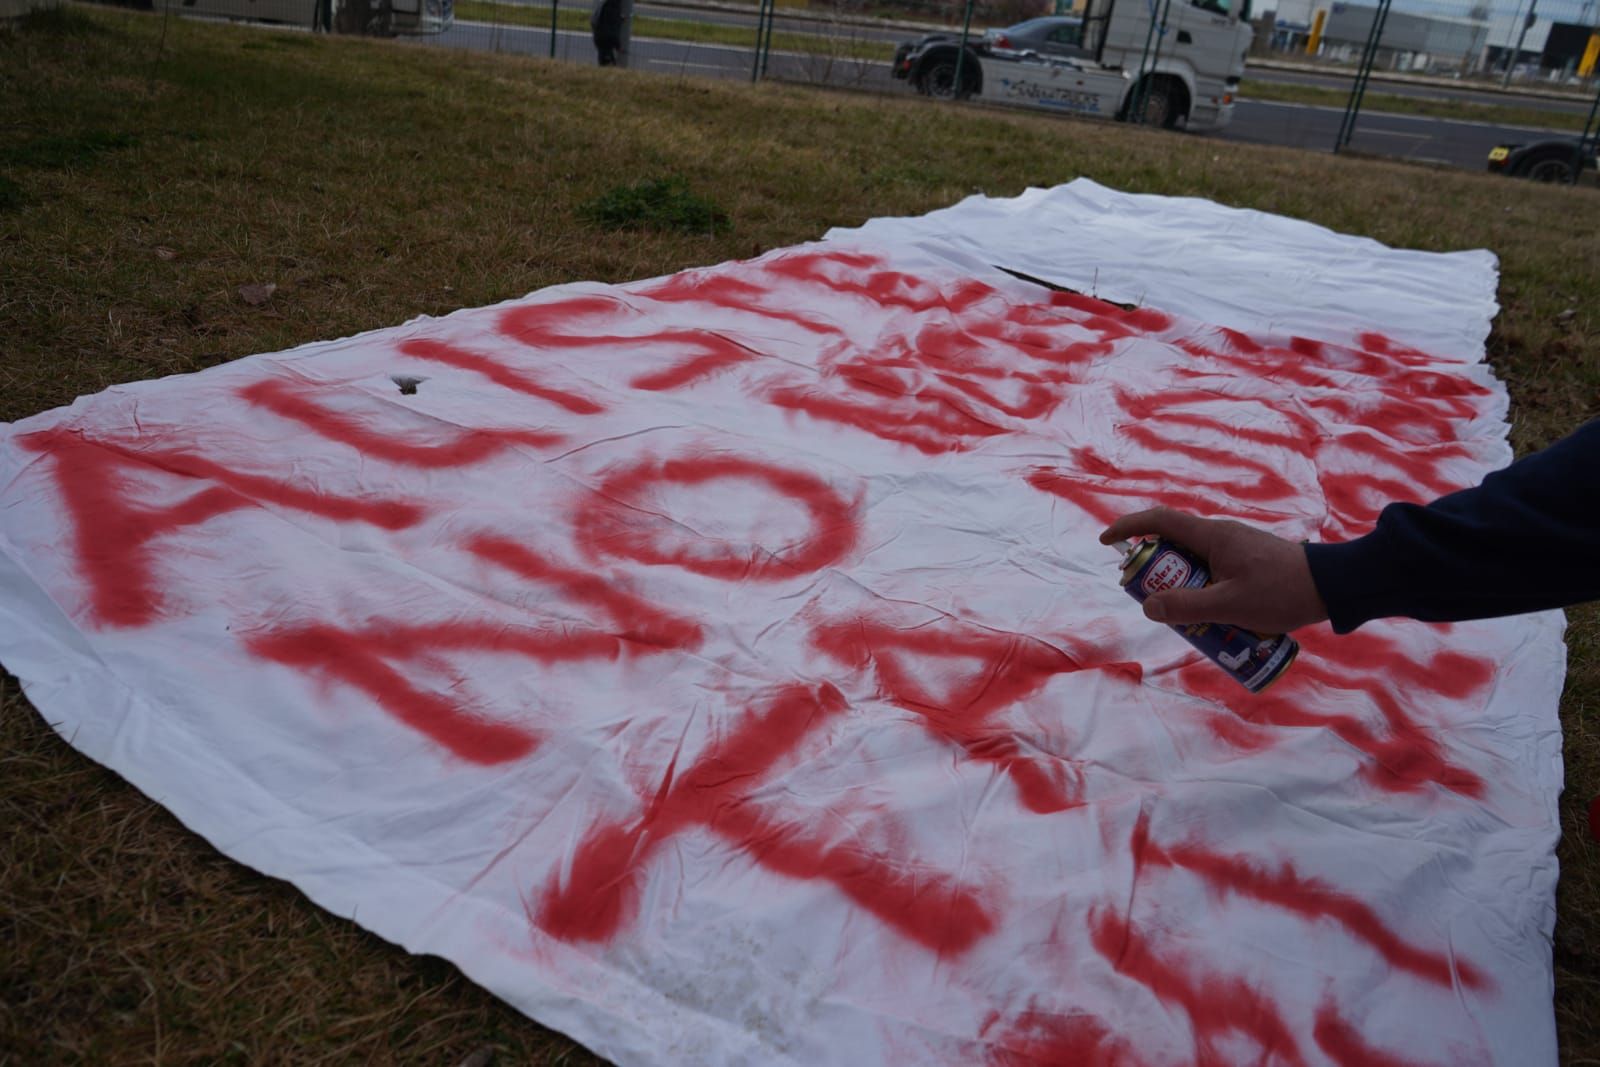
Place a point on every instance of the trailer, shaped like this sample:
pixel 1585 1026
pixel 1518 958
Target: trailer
pixel 1173 63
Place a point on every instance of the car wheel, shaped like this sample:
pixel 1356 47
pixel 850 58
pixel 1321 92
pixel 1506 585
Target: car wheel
pixel 1556 170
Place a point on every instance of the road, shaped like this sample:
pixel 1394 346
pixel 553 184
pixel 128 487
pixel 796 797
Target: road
pixel 1427 139
pixel 1420 138
pixel 671 57
pixel 1422 92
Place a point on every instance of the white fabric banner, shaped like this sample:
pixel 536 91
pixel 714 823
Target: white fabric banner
pixel 722 668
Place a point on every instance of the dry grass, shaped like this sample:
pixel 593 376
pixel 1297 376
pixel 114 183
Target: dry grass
pixel 374 182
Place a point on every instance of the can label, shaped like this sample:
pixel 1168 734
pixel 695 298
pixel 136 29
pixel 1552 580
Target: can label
pixel 1168 570
pixel 1254 660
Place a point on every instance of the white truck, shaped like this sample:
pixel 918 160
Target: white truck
pixel 1174 63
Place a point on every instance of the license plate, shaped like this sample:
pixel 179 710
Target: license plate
pixel 1497 154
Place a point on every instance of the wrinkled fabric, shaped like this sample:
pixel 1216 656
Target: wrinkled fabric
pixel 722 668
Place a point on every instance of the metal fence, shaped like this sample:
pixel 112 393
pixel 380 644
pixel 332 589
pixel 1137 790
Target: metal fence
pixel 1444 81
pixel 1451 81
pixel 836 45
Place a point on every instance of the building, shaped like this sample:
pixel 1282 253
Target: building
pixel 1549 47
pixel 1409 41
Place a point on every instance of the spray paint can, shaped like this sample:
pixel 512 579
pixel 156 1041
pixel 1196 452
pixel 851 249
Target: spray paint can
pixel 1253 660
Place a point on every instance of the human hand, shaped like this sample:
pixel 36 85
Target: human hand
pixel 1258 581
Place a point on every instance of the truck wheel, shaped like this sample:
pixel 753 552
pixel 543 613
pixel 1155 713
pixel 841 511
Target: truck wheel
pixel 939 81
pixel 1554 167
pixel 1157 106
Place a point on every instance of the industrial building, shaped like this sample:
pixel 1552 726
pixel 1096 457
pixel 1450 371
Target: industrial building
pixel 1479 43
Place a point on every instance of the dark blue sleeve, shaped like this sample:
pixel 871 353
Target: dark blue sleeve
pixel 1527 539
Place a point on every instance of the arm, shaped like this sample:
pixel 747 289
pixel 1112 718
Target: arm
pixel 1528 538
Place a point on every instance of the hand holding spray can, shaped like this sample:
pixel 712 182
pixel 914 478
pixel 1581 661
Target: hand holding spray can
pixel 1254 660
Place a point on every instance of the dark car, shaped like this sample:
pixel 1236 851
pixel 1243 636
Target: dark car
pixel 930 63
pixel 1562 161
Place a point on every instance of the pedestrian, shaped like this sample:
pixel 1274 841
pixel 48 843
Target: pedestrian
pixel 1526 539
pixel 605 22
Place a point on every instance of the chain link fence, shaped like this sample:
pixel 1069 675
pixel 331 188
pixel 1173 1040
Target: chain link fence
pixel 1469 82
pixel 1443 81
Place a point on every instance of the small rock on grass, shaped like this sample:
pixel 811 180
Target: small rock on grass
pixel 257 294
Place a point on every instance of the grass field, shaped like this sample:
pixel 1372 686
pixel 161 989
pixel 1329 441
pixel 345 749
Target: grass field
pixel 371 182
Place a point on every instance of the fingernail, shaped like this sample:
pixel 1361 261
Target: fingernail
pixel 1155 609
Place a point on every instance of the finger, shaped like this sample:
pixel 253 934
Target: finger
pixel 1181 607
pixel 1190 531
pixel 1133 525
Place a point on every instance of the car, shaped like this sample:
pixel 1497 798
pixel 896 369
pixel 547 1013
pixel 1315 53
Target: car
pixel 1562 160
pixel 929 62
pixel 1052 35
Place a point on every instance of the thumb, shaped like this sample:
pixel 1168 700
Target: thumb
pixel 1180 607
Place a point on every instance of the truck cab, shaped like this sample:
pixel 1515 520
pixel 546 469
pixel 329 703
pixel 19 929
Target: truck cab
pixel 1173 63
pixel 1188 54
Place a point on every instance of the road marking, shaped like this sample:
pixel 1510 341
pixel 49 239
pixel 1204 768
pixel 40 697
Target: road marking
pixel 1367 132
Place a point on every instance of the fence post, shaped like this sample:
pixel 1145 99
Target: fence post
pixel 1587 143
pixel 1136 103
pixel 761 22
pixel 961 55
pixel 1358 89
pixel 766 42
pixel 554 7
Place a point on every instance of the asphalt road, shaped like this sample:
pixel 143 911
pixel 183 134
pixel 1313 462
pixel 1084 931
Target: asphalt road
pixel 1424 92
pixel 1414 137
pixel 670 57
pixel 1462 144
